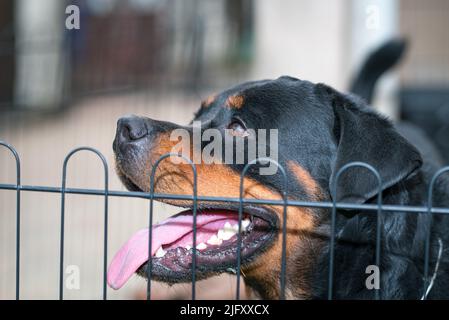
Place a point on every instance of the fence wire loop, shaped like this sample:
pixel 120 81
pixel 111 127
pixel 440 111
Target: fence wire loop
pixel 194 213
pixel 18 187
pixel 334 218
pixel 430 189
pixel 106 210
pixel 284 224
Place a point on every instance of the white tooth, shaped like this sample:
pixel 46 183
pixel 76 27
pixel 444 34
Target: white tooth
pixel 188 247
pixel 160 252
pixel 201 246
pixel 226 233
pixel 229 231
pixel 245 224
pixel 229 235
pixel 214 240
pixel 236 228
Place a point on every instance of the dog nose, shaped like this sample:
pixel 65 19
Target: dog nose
pixel 131 128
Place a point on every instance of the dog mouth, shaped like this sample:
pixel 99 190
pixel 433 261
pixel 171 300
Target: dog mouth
pixel 172 240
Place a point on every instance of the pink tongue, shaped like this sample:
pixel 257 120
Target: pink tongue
pixel 135 251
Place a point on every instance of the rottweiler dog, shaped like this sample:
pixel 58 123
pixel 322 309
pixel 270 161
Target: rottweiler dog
pixel 319 131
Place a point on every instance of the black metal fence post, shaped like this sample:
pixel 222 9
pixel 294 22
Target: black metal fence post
pixel 63 192
pixel 430 218
pixel 18 185
pixel 284 225
pixel 194 212
pixel 334 219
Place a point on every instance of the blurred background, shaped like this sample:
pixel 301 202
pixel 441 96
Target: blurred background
pixel 62 88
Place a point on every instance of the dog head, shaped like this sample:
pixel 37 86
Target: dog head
pixel 315 130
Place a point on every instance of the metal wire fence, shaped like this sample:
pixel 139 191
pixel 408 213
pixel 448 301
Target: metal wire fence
pixel 379 208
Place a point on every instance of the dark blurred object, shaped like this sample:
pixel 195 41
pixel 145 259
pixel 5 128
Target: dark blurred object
pixel 240 15
pixel 6 56
pixel 378 62
pixel 428 109
pixel 122 48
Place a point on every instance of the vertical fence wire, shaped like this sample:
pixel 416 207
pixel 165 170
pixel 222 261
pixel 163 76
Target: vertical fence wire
pixel 334 218
pixel 284 225
pixel 18 184
pixel 430 220
pixel 106 225
pixel 194 214
pixel 62 235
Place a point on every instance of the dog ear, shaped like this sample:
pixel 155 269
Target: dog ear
pixel 363 135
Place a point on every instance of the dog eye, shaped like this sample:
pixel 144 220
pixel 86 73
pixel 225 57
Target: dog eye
pixel 238 128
